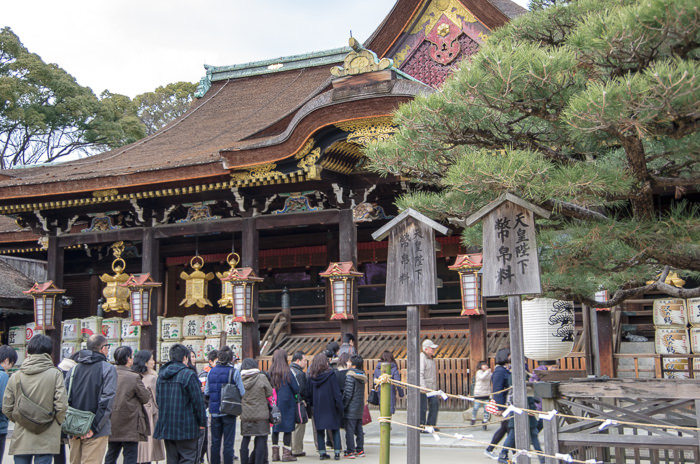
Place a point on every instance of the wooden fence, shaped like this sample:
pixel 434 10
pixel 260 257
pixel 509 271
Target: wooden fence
pixel 658 366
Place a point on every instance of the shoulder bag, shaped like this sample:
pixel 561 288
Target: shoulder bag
pixel 301 416
pixel 77 422
pixel 31 415
pixel 373 397
pixel 230 398
pixel 275 415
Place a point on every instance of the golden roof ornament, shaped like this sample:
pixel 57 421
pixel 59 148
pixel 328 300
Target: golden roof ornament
pixel 196 291
pixel 116 296
pixel 360 61
pixel 671 279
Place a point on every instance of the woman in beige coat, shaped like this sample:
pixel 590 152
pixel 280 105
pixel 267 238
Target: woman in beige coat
pixel 151 450
pixel 43 384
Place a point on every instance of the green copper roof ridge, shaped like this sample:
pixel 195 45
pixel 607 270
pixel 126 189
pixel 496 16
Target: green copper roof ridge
pixel 285 59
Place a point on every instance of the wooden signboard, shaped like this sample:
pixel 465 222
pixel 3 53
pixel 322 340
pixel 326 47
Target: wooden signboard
pixel 511 265
pixel 411 273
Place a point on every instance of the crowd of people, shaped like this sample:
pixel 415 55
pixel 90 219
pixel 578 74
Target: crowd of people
pixel 187 417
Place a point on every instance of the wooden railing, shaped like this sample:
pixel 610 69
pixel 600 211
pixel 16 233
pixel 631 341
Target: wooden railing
pixel 660 369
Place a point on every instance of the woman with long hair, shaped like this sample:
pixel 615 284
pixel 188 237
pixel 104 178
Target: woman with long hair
pixel 151 450
pixel 255 417
pixel 388 358
pixel 324 394
pixel 286 387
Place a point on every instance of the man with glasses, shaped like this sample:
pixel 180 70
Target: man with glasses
pixel 92 384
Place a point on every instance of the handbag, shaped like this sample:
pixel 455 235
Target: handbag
pixel 373 397
pixel 230 398
pixel 275 415
pixel 300 414
pixel 77 422
pixel 32 416
pixel 366 416
pixel 492 408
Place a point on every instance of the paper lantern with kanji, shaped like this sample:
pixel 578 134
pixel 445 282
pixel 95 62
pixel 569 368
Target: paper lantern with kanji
pixel 548 328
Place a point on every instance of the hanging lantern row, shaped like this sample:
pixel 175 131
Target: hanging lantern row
pixel 342 276
pixel 468 267
pixel 44 295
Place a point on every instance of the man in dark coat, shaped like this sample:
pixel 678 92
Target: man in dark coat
pixel 94 385
pixel 181 408
pixel 354 407
pixel 298 363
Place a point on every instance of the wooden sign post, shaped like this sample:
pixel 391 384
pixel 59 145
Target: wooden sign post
pixel 410 281
pixel 511 268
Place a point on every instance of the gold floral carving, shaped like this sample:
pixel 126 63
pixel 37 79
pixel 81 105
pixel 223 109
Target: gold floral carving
pixel 365 131
pixel 306 149
pixel 360 61
pixel 452 9
pixel 400 57
pixel 105 193
pixel 264 170
pixel 310 160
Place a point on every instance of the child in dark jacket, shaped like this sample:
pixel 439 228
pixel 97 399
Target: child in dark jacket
pixel 354 407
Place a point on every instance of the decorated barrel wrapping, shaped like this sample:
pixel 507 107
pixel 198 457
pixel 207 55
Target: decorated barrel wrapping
pixel 90 326
pixel 21 351
pixel 71 329
pixel 672 341
pixel 235 343
pixel 131 332
pixel 171 329
pixel 16 336
pixel 112 328
pixel 232 328
pixel 193 326
pixel 165 351
pixel 211 344
pixel 135 345
pixel 693 308
pixel 196 345
pixel 69 348
pixel 676 368
pixel 213 325
pixel 670 313
pixel 30 330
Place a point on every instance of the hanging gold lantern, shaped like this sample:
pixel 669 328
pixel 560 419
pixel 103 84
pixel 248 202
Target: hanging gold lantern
pixel 196 291
pixel 44 303
pixel 226 300
pixel 140 286
pixel 468 267
pixel 242 282
pixel 115 294
pixel 342 276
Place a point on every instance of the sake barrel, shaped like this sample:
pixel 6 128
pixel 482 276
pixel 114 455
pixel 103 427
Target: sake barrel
pixel 16 336
pixel 232 328
pixel 693 308
pixel 670 313
pixel 678 368
pixel 196 345
pixel 71 329
pixel 30 330
pixel 235 343
pixel 672 341
pixel 112 328
pixel 130 332
pixel 211 344
pixel 171 329
pixel 135 345
pixel 213 325
pixel 193 326
pixel 165 351
pixel 695 340
pixel 90 326
pixel 21 351
pixel 112 346
pixel 68 349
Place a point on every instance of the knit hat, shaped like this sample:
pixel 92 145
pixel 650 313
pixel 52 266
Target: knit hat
pixel 249 363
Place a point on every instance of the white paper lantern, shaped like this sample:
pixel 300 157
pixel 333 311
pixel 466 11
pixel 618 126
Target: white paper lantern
pixel 548 328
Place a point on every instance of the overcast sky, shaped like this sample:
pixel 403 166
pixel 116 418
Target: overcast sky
pixel 133 46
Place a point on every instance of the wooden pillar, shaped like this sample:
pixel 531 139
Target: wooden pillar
pixel 517 359
pixel 478 338
pixel 55 258
pixel 347 245
pixel 551 432
pixel 250 258
pixel 605 343
pixel 413 374
pixel 587 339
pixel 150 263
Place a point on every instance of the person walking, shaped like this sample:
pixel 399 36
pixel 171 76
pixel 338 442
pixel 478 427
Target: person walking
pixel 388 358
pixel 327 403
pixel 151 450
pixel 501 381
pixel 354 408
pixel 129 419
pixel 481 391
pixel 222 426
pixel 428 380
pixel 181 413
pixel 297 366
pixel 255 416
pixel 287 389
pixel 92 385
pixel 42 383
pixel 8 358
pixel 203 442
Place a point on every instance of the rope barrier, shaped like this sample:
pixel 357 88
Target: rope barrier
pixel 605 423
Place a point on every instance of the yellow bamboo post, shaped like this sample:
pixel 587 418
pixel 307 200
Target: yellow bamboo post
pixel 385 411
